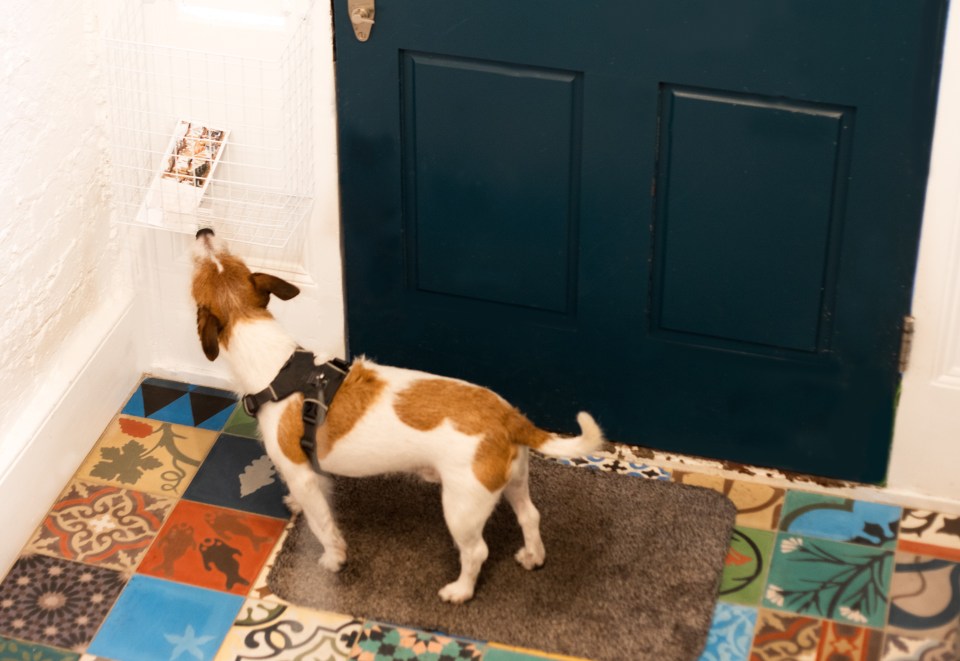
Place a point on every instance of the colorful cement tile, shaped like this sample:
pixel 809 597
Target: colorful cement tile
pixel 841 519
pixel 101 525
pixel 260 588
pixel 730 633
pixel 161 620
pixel 382 642
pixel 924 597
pixel 268 630
pixel 904 648
pixel 182 404
pixel 611 464
pixel 780 636
pixel 746 566
pixel 212 547
pixel 758 505
pixel 147 455
pixel 930 533
pixel 237 473
pixel 494 652
pixel 241 424
pixel 56 602
pixel 850 643
pixel 835 580
pixel 16 650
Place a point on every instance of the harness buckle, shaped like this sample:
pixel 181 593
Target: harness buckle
pixel 313 412
pixel 250 406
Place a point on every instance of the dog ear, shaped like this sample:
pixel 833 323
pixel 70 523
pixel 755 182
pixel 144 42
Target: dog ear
pixel 208 327
pixel 271 284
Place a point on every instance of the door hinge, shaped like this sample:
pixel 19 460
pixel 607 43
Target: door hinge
pixel 906 342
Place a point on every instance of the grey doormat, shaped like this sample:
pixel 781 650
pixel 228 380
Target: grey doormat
pixel 632 572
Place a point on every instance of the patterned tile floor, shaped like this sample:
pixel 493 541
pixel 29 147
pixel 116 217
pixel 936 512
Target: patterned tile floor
pixel 160 546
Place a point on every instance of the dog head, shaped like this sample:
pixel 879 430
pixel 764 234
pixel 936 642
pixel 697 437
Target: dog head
pixel 226 292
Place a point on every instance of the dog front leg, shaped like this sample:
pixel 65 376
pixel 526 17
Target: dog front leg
pixel 311 492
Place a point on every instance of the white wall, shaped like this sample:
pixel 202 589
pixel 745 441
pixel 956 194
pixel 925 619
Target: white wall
pixel 61 259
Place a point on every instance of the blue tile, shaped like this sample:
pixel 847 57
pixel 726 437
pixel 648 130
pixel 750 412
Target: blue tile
pixel 181 404
pixel 238 474
pixel 160 620
pixel 731 633
pixel 840 519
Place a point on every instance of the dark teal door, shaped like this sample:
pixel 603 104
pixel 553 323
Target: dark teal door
pixel 697 220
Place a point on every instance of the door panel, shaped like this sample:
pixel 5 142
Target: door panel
pixel 698 222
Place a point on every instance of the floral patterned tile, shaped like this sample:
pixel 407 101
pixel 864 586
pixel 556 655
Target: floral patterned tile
pixel 781 636
pixel 612 464
pixel 746 566
pixel 383 642
pixel 758 505
pixel 56 602
pixel 237 473
pixel 181 403
pixel 904 648
pixel 268 630
pixel 16 650
pixel 730 633
pixel 835 580
pixel 212 547
pixel 930 533
pixel 147 455
pixel 841 519
pixel 924 597
pixel 156 620
pixel 101 525
pixel 850 643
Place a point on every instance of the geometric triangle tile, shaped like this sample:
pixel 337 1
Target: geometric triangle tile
pixel 101 525
pixel 156 620
pixel 56 602
pixel 157 397
pixel 212 547
pixel 266 629
pixel 210 411
pixel 181 403
pixel 147 455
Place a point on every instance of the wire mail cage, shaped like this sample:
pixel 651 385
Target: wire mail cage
pixel 211 116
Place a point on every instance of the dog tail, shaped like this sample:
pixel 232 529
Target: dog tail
pixel 590 440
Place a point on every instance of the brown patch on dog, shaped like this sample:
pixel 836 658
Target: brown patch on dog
pixel 290 430
pixel 475 411
pixel 356 395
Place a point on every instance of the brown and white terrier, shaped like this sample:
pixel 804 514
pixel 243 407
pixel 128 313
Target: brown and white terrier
pixel 382 420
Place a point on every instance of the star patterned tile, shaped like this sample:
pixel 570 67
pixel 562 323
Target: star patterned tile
pixel 147 455
pixel 841 519
pixel 56 602
pixel 382 642
pixel 182 404
pixel 237 473
pixel 157 620
pixel 101 525
pixel 269 630
pixel 212 547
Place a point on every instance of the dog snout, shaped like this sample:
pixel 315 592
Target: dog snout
pixel 204 231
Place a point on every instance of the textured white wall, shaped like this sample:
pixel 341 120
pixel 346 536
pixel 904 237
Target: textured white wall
pixel 59 255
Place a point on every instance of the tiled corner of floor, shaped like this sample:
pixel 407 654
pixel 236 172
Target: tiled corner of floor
pixel 160 547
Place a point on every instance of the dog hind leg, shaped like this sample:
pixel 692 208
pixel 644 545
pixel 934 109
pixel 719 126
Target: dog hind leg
pixel 310 490
pixel 517 493
pixel 466 508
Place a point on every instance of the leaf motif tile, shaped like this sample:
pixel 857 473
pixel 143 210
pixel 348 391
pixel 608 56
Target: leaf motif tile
pixel 834 580
pixel 780 636
pixel 924 597
pixel 212 547
pixel 56 602
pixel 731 633
pixel 181 403
pixel 17 650
pixel 746 566
pixel 850 643
pixel 147 455
pixel 841 519
pixel 270 630
pixel 930 533
pixel 758 505
pixel 156 620
pixel 382 642
pixel 101 525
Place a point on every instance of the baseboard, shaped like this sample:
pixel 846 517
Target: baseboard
pixel 79 397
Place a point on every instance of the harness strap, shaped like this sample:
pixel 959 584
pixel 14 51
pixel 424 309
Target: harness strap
pixel 318 383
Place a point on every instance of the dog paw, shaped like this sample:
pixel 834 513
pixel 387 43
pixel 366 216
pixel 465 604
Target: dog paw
pixel 456 593
pixel 292 504
pixel 529 559
pixel 332 561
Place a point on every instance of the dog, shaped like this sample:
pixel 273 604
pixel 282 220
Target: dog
pixel 381 420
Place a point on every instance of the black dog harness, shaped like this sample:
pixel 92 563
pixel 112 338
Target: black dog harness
pixel 318 383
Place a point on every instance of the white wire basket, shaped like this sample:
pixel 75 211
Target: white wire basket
pixel 240 70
